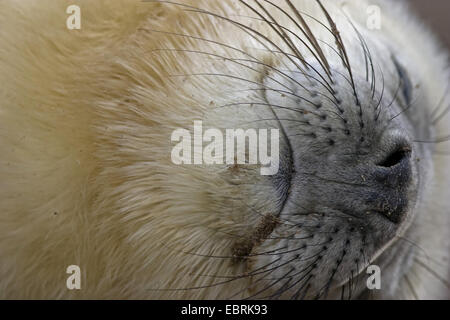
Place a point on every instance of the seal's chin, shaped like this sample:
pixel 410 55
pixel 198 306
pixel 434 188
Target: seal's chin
pixel 318 255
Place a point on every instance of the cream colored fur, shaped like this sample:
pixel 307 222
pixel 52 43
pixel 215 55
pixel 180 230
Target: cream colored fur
pixel 85 170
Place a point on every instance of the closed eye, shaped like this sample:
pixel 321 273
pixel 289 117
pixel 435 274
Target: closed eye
pixel 405 81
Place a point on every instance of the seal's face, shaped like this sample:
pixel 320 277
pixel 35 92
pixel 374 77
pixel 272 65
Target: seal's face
pixel 87 176
pixel 350 166
pixel 348 180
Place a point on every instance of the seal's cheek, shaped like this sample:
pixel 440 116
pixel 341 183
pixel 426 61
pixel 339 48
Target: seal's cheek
pixel 249 198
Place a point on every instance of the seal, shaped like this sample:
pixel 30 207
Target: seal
pixel 87 179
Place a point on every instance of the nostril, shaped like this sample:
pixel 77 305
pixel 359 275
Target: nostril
pixel 396 157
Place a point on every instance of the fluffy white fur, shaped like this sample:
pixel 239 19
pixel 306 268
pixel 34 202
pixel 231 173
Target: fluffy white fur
pixel 85 171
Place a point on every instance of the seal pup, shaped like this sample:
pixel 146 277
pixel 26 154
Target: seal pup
pixel 87 177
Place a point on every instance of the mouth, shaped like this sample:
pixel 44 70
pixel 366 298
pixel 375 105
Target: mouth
pixel 319 251
pixel 333 225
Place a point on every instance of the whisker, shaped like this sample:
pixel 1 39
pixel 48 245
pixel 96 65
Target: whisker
pixel 411 287
pixel 306 30
pixel 322 79
pixel 322 60
pixel 432 272
pixel 280 32
pixel 341 47
pixel 237 61
pixel 438 106
pixel 269 286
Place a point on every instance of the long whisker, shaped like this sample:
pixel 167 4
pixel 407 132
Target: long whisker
pixel 432 272
pixel 341 47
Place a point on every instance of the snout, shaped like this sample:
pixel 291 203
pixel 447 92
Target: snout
pixel 391 181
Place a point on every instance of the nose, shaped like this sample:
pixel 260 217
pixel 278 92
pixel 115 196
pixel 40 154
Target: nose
pixel 393 176
pixel 396 167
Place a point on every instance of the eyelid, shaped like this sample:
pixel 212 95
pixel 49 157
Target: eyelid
pixel 283 179
pixel 407 86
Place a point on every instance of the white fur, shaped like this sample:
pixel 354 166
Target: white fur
pixel 85 171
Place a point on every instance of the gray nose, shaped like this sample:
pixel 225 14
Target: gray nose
pixel 395 169
pixel 392 178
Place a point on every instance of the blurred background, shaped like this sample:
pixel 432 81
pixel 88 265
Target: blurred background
pixel 436 14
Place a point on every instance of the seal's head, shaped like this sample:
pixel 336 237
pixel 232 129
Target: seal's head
pixel 356 183
pixel 350 171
